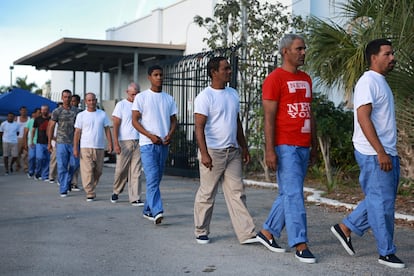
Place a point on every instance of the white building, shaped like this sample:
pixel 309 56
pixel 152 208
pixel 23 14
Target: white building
pixel 174 25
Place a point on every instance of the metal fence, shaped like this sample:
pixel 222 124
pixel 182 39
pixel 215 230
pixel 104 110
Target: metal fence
pixel 187 76
pixel 184 78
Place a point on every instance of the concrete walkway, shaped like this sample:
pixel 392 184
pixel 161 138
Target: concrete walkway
pixel 43 234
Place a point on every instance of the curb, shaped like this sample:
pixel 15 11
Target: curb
pixel 317 198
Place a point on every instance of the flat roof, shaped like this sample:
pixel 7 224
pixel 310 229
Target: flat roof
pixel 92 55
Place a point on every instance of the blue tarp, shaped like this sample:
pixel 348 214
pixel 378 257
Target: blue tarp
pixel 17 97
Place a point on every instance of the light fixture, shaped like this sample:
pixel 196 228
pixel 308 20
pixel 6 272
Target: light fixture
pixel 54 64
pixel 148 58
pixel 81 54
pixel 66 60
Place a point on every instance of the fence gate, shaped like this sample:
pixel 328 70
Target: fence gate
pixel 184 78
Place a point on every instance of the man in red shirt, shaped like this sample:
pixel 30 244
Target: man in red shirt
pixel 289 134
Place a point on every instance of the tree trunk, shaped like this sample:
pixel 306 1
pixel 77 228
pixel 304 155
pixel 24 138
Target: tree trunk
pixel 324 145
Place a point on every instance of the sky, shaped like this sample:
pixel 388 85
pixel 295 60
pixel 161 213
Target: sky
pixel 28 25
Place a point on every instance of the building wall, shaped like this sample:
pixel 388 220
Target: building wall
pixel 173 24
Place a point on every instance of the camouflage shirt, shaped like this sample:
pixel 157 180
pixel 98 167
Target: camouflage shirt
pixel 66 121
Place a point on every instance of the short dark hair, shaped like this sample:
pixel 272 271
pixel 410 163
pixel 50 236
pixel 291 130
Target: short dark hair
pixel 22 107
pixel 77 97
pixel 36 109
pixel 66 91
pixel 153 68
pixel 214 64
pixel 373 48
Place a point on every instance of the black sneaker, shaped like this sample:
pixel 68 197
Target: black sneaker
pixel 203 239
pixel 305 256
pixel 114 198
pixel 75 188
pixel 148 217
pixel 137 203
pixel 345 241
pixel 90 199
pixel 158 218
pixel 391 261
pixel 271 245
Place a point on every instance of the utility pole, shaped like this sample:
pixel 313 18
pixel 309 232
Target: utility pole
pixel 11 76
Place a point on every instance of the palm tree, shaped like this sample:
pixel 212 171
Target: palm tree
pixel 22 83
pixel 336 57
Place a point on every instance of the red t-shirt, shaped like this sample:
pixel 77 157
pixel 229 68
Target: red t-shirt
pixel 293 92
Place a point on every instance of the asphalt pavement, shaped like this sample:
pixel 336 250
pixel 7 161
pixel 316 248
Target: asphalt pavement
pixel 43 234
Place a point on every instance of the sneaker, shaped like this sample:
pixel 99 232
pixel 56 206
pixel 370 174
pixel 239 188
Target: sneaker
pixel 38 178
pixel 46 180
pixel 305 256
pixel 345 241
pixel 137 203
pixel 148 216
pixel 29 175
pixel 251 240
pixel 158 218
pixel 75 188
pixel 391 261
pixel 51 180
pixel 90 199
pixel 203 239
pixel 269 244
pixel 6 173
pixel 63 194
pixel 114 198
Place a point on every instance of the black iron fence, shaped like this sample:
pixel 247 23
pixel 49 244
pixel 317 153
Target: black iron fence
pixel 184 78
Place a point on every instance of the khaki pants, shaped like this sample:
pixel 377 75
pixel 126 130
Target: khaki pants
pixel 22 157
pixel 75 177
pixel 128 169
pixel 91 165
pixel 53 164
pixel 227 169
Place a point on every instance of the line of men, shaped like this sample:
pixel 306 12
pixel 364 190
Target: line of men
pixel 290 143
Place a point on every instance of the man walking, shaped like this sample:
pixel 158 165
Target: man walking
pixel 126 146
pixel 40 126
pixel 9 131
pixel 91 127
pixel 67 163
pixel 154 116
pixel 289 133
pixel 222 146
pixel 375 142
pixel 30 142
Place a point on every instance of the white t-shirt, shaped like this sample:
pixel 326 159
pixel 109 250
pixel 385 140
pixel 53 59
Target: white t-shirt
pixel 221 106
pixel 156 110
pixel 372 88
pixel 123 111
pixel 9 131
pixel 93 126
pixel 22 126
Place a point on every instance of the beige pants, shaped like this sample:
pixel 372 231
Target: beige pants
pixel 75 177
pixel 91 165
pixel 53 164
pixel 227 169
pixel 22 157
pixel 128 169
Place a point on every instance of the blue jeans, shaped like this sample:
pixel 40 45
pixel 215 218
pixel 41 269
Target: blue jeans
pixel 67 164
pixel 153 161
pixel 289 207
pixel 31 160
pixel 42 161
pixel 377 209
